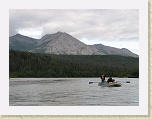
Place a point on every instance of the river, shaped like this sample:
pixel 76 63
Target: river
pixel 72 92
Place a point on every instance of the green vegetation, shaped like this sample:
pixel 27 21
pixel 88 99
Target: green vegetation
pixel 26 64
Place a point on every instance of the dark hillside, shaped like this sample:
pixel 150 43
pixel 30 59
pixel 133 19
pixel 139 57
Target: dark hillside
pixel 22 43
pixel 25 64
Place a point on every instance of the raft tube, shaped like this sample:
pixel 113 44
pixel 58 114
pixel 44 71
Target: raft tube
pixel 110 84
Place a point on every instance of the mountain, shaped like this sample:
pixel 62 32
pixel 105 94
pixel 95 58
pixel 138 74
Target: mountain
pixel 22 43
pixel 107 50
pixel 63 43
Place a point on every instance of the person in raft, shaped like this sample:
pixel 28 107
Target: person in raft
pixel 110 80
pixel 102 78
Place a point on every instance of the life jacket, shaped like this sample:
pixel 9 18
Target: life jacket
pixel 110 80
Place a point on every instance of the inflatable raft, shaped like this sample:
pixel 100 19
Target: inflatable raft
pixel 110 84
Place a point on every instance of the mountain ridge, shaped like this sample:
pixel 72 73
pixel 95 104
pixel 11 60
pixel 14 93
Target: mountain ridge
pixel 63 43
pixel 22 43
pixel 108 50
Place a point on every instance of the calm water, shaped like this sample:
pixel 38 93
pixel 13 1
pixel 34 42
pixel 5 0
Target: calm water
pixel 72 92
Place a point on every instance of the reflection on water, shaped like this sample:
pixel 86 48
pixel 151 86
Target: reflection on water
pixel 72 92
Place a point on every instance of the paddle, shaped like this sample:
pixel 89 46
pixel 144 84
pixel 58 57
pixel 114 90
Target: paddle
pixel 93 82
pixel 116 81
pixel 123 82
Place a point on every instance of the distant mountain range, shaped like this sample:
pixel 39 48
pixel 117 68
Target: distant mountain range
pixel 63 43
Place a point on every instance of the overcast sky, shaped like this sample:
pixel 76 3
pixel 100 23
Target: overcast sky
pixel 117 28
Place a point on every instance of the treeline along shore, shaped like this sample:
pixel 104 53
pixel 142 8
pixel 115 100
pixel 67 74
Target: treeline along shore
pixel 35 65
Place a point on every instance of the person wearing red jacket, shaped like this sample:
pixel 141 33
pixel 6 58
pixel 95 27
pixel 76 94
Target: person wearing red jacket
pixel 102 78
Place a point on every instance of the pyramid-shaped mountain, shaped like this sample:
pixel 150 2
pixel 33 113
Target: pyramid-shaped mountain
pixel 63 43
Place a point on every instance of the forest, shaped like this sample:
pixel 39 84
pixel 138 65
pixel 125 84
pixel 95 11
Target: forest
pixel 36 65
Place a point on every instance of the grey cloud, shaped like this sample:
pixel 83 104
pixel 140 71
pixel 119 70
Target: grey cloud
pixel 91 24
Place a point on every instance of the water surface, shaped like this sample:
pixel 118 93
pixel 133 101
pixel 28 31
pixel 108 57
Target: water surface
pixel 72 92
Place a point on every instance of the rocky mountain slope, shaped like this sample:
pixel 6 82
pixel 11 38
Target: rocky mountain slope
pixel 62 43
pixel 116 51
